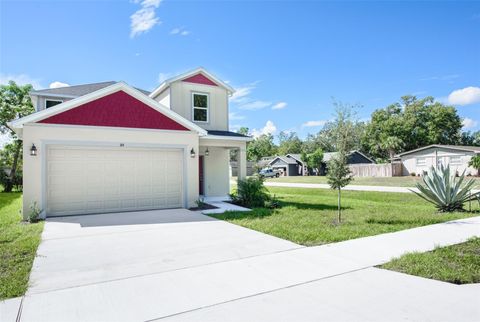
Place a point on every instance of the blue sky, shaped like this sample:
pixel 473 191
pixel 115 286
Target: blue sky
pixel 286 58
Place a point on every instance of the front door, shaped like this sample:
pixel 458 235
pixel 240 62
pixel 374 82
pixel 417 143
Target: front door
pixel 200 175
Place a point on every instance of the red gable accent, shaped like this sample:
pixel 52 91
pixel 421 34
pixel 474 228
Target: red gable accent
pixel 199 79
pixel 117 110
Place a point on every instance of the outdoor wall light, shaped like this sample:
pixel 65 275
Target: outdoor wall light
pixel 33 150
pixel 192 153
pixel 207 152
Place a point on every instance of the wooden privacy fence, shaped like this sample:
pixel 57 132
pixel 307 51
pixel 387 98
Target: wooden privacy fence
pixel 376 170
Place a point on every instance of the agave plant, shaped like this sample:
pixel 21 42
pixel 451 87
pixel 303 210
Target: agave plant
pixel 446 191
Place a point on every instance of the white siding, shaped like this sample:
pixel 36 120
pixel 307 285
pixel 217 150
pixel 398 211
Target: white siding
pixel 180 101
pixel 444 156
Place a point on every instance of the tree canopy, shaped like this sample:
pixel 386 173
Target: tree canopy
pixel 410 124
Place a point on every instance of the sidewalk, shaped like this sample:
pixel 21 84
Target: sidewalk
pixel 349 187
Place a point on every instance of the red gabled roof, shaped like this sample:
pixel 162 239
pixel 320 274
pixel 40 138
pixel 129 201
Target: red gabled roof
pixel 199 79
pixel 118 109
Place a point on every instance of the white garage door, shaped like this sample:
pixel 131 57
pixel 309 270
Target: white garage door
pixel 85 180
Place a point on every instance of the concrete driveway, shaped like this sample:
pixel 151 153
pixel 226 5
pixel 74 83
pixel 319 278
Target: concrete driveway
pixel 84 250
pixel 183 266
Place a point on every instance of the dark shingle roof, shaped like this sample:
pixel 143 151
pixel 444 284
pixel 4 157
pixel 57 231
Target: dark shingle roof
pixel 226 133
pixel 77 90
pixel 285 159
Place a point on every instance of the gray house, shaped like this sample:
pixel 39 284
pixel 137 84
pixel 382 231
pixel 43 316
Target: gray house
pixel 354 157
pixel 289 165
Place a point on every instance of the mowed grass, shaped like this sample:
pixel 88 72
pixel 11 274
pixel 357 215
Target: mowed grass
pixel 308 216
pixel 406 181
pixel 459 264
pixel 18 245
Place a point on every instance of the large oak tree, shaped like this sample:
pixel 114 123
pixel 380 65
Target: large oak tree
pixel 15 102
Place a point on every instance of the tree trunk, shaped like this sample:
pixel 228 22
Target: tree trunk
pixel 339 206
pixel 13 171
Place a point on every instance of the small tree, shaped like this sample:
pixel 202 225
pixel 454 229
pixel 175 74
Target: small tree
pixel 475 163
pixel 338 172
pixel 314 160
pixel 339 175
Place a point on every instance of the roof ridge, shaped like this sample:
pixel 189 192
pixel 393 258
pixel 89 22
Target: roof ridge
pixel 46 89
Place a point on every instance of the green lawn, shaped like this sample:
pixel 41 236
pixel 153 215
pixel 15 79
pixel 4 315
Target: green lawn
pixel 308 216
pixel 459 264
pixel 367 181
pixel 18 245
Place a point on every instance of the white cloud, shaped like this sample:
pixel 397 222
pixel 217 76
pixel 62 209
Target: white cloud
pixel 163 77
pixel 20 79
pixel 254 105
pixel 279 106
pixel 465 96
pixel 241 93
pixel 314 123
pixel 145 18
pixel 58 84
pixel 269 128
pixel 469 123
pixel 441 77
pixel 234 116
pixel 181 31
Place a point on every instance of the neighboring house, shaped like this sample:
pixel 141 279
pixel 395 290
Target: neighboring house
pixel 415 162
pixel 289 165
pixel 354 157
pixel 109 147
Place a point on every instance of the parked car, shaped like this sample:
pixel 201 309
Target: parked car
pixel 269 173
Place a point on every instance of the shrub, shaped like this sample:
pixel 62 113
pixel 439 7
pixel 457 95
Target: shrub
pixel 446 191
pixel 251 193
pixel 34 215
pixel 17 179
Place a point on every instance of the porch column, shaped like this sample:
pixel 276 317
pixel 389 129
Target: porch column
pixel 242 162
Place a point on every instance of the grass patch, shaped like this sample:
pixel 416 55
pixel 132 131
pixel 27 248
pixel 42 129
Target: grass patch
pixel 18 245
pixel 308 216
pixel 406 181
pixel 458 264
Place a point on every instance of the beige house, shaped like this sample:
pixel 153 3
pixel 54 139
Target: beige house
pixel 417 161
pixel 109 147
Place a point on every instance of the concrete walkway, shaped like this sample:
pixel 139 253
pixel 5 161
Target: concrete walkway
pixel 251 277
pixel 349 187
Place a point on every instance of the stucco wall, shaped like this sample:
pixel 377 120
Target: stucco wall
pixel 40 135
pixel 216 171
pixel 180 100
pixel 443 155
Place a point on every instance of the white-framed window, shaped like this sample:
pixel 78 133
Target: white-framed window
pixel 455 160
pixel 421 161
pixel 200 105
pixel 49 103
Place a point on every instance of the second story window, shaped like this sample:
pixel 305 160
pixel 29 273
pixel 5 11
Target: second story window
pixel 200 107
pixel 50 103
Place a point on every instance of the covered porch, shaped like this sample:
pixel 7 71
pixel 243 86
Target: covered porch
pixel 214 164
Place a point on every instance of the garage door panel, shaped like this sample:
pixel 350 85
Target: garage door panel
pixel 82 180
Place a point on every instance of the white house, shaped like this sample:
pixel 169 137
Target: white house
pixel 109 147
pixel 419 160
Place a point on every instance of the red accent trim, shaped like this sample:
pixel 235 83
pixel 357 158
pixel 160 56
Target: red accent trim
pixel 199 79
pixel 117 110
